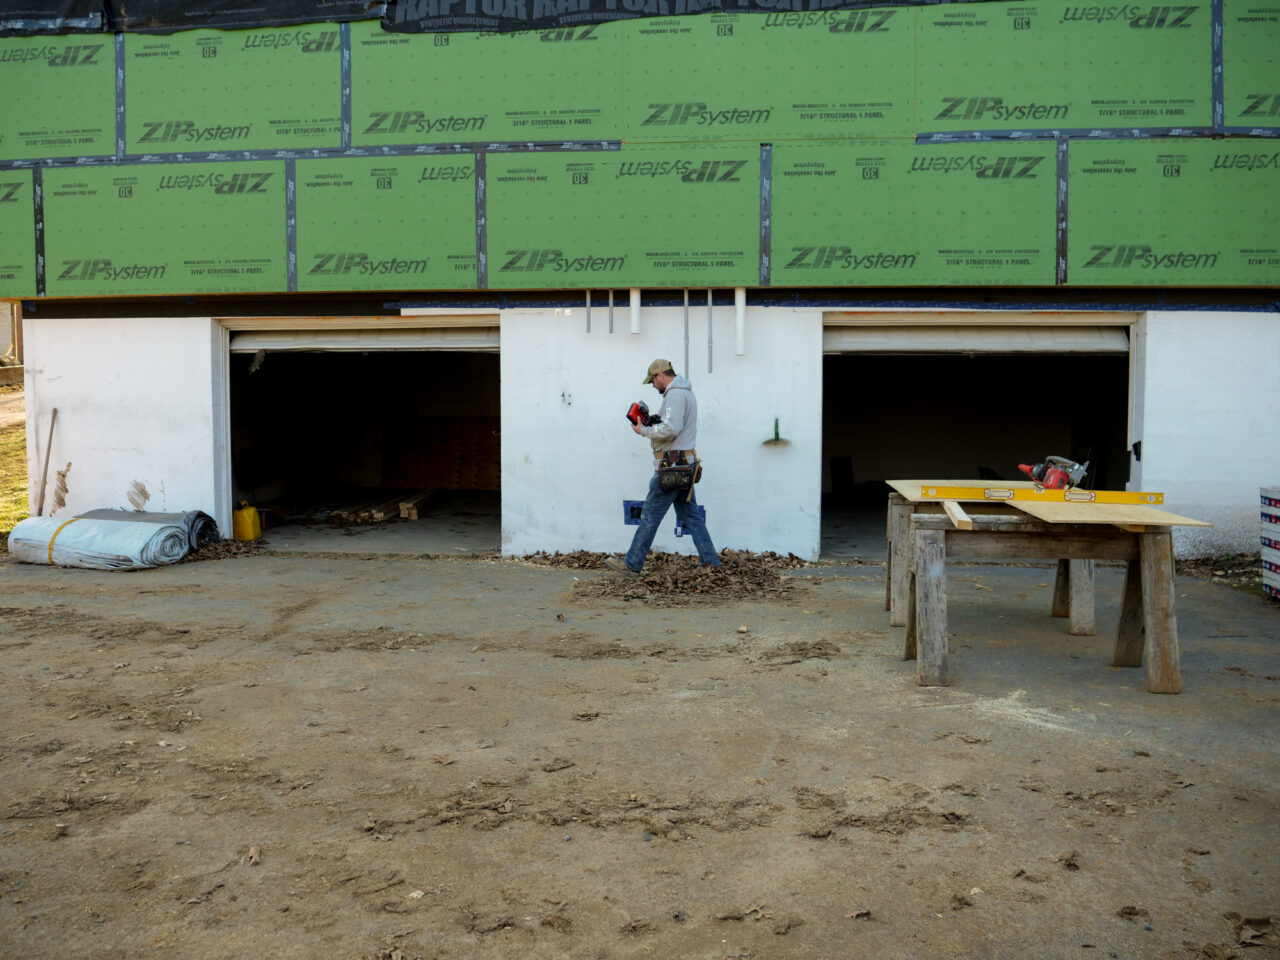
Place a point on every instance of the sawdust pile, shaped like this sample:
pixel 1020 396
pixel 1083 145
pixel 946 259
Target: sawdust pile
pixel 671 580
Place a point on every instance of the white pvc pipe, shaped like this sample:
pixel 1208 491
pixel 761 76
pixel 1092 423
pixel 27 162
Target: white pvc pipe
pixel 710 343
pixel 740 304
pixel 635 310
pixel 685 368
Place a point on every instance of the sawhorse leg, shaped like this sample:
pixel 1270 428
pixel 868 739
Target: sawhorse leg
pixel 1147 624
pixel 898 560
pixel 926 637
pixel 1073 596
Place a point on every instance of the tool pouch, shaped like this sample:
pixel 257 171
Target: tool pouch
pixel 678 476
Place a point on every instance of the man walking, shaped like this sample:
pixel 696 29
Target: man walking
pixel 673 439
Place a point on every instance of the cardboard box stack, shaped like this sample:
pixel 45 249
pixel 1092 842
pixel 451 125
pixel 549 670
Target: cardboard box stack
pixel 1271 540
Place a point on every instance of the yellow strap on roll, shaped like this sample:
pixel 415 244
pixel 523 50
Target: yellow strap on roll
pixel 55 536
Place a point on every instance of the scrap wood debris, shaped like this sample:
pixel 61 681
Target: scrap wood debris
pixel 672 580
pixel 1241 569
pixel 225 549
pixel 586 560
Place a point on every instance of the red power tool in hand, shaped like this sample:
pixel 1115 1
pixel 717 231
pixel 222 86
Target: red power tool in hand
pixel 638 414
pixel 1056 473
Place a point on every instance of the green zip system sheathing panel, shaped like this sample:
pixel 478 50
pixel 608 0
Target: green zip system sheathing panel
pixel 207 90
pixel 1055 66
pixel 905 214
pixel 450 87
pixel 1171 212
pixel 183 228
pixel 1251 78
pixel 786 76
pixel 684 215
pixel 59 97
pixel 998 143
pixel 373 223
pixel 17 234
pixel 986 67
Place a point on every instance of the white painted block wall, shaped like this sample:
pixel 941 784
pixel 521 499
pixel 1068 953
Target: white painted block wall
pixel 137 399
pixel 8 334
pixel 1208 416
pixel 141 407
pixel 569 458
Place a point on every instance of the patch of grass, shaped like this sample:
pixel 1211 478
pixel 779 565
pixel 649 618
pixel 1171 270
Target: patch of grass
pixel 13 477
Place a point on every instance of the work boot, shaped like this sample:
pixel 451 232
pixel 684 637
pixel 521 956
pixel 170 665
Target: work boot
pixel 618 565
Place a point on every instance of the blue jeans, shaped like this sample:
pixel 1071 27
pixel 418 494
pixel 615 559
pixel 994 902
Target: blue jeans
pixel 656 504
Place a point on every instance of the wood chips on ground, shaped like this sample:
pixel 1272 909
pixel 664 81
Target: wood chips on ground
pixel 672 580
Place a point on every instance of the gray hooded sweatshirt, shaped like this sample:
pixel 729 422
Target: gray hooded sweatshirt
pixel 679 427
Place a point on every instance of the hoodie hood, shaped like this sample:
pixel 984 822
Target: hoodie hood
pixel 678 428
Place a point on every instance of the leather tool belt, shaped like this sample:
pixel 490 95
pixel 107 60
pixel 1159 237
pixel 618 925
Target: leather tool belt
pixel 679 470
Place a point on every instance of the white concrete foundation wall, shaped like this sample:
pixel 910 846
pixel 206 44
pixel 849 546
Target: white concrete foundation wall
pixel 8 334
pixel 139 405
pixel 569 458
pixel 1207 410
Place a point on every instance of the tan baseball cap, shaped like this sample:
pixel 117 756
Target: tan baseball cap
pixel 658 366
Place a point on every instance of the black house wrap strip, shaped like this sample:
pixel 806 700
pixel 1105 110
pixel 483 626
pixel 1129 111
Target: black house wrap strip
pixel 482 233
pixel 121 129
pixel 291 224
pixel 344 38
pixel 1064 167
pixel 1219 83
pixel 766 211
pixel 37 204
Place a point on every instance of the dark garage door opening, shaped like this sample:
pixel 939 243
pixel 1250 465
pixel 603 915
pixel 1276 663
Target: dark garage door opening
pixel 326 437
pixel 960 417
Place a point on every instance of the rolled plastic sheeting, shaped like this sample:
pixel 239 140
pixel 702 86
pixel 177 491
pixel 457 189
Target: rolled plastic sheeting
pixel 201 528
pixel 97 544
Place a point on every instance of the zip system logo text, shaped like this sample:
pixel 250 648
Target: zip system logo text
pixel 449 172
pixel 106 270
pixel 555 261
pixel 689 171
pixel 1246 161
pixel 172 131
pixel 979 108
pixel 1138 16
pixel 220 183
pixel 570 34
pixel 85 55
pixel 1262 105
pixel 983 167
pixel 827 257
pixel 700 115
pixel 361 264
pixel 9 192
pixel 416 121
pixel 836 21
pixel 76 55
pixel 1143 257
pixel 326 41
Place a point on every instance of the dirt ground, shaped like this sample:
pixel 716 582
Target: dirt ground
pixel 13 406
pixel 269 756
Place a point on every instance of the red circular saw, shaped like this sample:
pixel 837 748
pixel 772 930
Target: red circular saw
pixel 1056 473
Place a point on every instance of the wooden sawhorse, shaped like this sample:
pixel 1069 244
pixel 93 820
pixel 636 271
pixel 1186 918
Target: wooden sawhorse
pixel 1147 626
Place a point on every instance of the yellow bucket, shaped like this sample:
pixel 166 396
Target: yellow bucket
pixel 245 522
